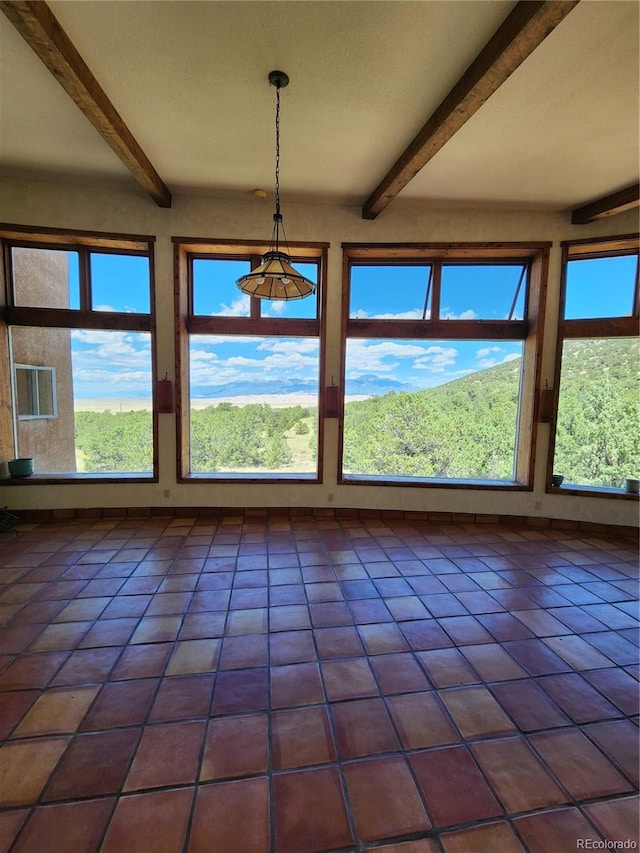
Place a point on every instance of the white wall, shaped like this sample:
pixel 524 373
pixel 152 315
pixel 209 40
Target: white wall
pixel 71 206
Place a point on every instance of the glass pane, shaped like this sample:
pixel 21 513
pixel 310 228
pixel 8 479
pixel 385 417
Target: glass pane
pixel 389 292
pixel 215 292
pixel 600 287
pixel 306 309
pixel 120 283
pixel 482 292
pixel 103 417
pixel 25 391
pixel 46 278
pixel 597 440
pixel 45 392
pixel 254 405
pixel 431 409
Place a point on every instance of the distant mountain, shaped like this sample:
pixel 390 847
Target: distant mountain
pixel 373 385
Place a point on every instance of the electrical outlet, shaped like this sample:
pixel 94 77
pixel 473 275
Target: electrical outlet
pixel 537 505
pixel 330 497
pixel 166 493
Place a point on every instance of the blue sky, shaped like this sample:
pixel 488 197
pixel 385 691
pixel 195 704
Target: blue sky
pixel 109 364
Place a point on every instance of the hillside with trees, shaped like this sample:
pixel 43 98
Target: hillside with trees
pixel 463 429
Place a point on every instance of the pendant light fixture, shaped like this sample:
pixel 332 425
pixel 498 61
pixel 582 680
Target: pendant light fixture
pixel 275 278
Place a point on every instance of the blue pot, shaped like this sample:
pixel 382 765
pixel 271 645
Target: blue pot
pixel 21 467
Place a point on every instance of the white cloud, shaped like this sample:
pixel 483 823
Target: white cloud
pixel 411 314
pixel 447 314
pixel 239 307
pixel 484 351
pixel 510 357
pixel 436 359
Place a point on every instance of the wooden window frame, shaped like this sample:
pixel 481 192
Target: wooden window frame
pixel 187 249
pixel 596 327
pixel 85 317
pixel 529 330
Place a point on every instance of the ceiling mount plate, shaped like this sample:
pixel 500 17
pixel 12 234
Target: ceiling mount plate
pixel 278 79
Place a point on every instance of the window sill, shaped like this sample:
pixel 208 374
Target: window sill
pixel 432 482
pixel 57 478
pixel 592 491
pixel 252 477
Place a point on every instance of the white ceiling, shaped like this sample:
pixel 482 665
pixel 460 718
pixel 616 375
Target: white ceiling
pixel 190 81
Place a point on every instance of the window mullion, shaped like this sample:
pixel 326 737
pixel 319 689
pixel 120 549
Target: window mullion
pixel 84 263
pixel 436 284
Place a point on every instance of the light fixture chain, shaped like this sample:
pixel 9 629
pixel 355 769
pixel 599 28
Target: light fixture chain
pixel 277 149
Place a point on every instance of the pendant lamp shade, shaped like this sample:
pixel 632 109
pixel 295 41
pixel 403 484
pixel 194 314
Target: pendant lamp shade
pixel 275 278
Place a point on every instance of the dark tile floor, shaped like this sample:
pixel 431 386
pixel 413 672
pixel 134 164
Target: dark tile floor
pixel 248 684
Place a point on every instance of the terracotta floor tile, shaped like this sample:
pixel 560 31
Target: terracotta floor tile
pixel 145 822
pixel 10 824
pixel 581 768
pixel 128 606
pixel 296 684
pixel 241 691
pixel 245 651
pixel 235 746
pixel 59 637
pixel 15 640
pixel 124 703
pixel 382 638
pixel 421 845
pixel 517 776
pixel 339 642
pixel 575 696
pixel 94 765
pixel 618 686
pixel 492 663
pixel 289 617
pixel 476 713
pixel 504 626
pixel 425 634
pixel 529 706
pixel 384 798
pixel 465 630
pixel 25 766
pixel 363 728
pixel 182 697
pixel 442 604
pixel 447 668
pixel 168 603
pixel 143 661
pixel 232 817
pixel 421 721
pixel 536 657
pixel 291 647
pixel 368 611
pixel 166 755
pixel 252 621
pixel 157 629
pixel 615 647
pixel 286 595
pixel 348 679
pixel 58 711
pixel 618 739
pixel 616 819
pixel 310 812
pixel 192 656
pixel 555 831
pixel 202 626
pixel 492 836
pixel 399 673
pixel 13 706
pixel 454 789
pixel 76 827
pixel 87 666
pixel 82 609
pixel 577 652
pixel 301 737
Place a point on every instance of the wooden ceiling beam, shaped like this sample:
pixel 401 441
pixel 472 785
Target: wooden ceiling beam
pixel 37 24
pixel 608 205
pixel 528 24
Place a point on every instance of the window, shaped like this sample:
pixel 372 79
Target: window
pixel 35 391
pixel 80 318
pixel 250 370
pixel 440 358
pixel 596 430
